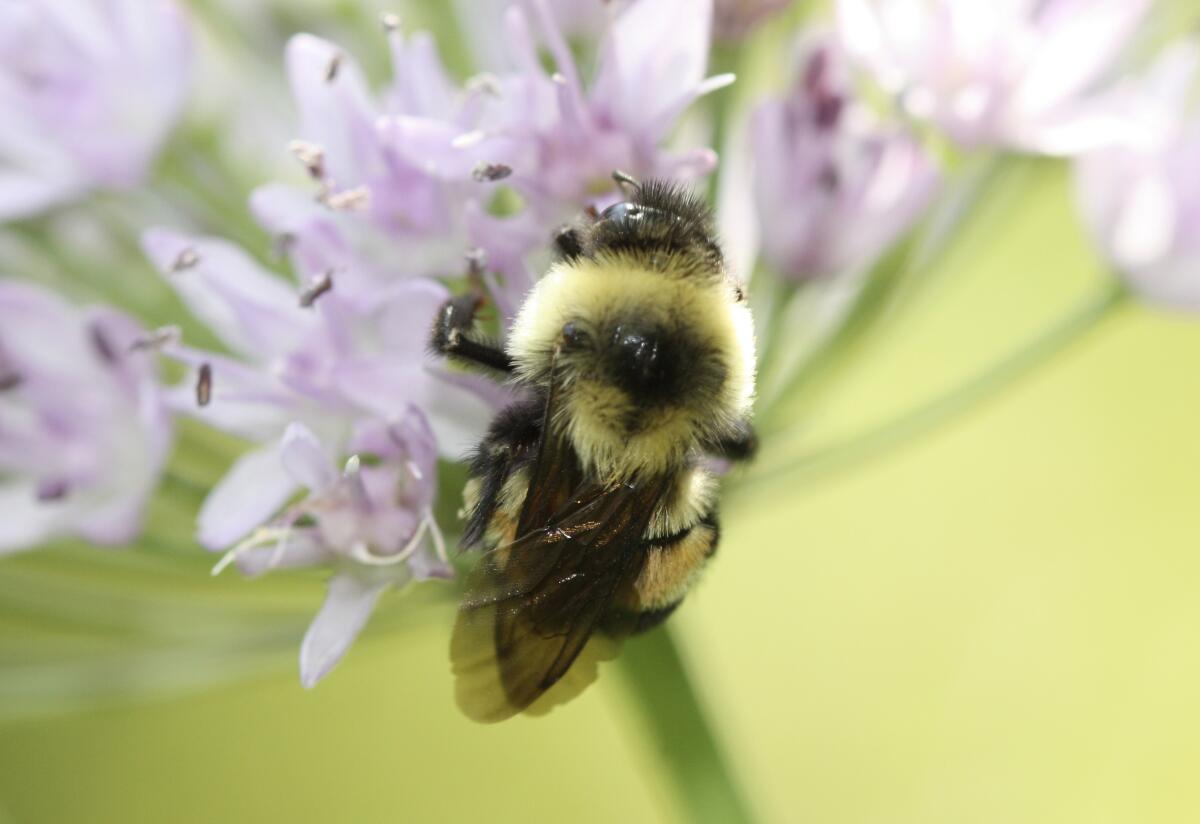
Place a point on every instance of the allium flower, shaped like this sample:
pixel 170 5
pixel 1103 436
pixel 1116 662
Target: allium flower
pixel 1018 74
pixel 372 524
pixel 329 366
pixel 83 429
pixel 1142 199
pixel 833 188
pixel 89 90
pixel 570 139
pixel 397 191
pixel 319 378
pixel 734 19
pixel 404 180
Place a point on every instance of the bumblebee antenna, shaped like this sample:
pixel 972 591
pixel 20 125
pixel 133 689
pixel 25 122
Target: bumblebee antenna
pixel 629 185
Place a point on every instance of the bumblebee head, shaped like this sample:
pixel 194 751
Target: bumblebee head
pixel 649 359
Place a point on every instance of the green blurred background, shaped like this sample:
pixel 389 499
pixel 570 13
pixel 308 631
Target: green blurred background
pixel 992 621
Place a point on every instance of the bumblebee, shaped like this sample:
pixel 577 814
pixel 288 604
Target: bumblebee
pixel 593 498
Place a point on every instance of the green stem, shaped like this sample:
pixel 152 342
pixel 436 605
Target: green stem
pixel 673 715
pixel 961 399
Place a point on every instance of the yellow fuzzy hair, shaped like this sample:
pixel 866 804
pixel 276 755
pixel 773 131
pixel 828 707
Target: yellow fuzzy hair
pixel 591 408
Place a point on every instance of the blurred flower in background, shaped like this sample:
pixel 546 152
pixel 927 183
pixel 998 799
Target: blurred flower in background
pixel 833 187
pixel 1017 74
pixel 89 90
pixel 84 431
pixel 1141 199
pixel 735 19
pixel 299 300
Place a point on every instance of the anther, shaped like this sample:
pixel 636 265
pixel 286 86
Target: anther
pixel 335 63
pixel 282 248
pixel 346 200
pixel 311 156
pixel 51 490
pixel 102 345
pixel 186 259
pixel 485 82
pixel 157 340
pixel 204 385
pixel 318 286
pixel 390 22
pixel 485 172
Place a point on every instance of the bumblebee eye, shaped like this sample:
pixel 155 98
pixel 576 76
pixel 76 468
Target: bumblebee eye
pixel 574 336
pixel 622 212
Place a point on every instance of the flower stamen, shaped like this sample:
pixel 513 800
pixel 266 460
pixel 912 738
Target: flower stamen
pixel 318 286
pixel 186 259
pixel 204 385
pixel 486 172
pixel 311 156
pixel 157 340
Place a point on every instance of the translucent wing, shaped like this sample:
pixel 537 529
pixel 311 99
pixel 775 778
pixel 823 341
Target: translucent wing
pixel 532 607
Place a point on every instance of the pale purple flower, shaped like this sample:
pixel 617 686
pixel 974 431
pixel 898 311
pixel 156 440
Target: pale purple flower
pixel 84 431
pixel 89 90
pixel 584 21
pixel 397 193
pixel 371 523
pixel 1017 74
pixel 1141 200
pixel 569 136
pixel 733 20
pixel 328 366
pixel 403 179
pixel 833 188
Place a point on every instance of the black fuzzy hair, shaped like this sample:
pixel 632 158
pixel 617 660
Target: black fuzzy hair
pixel 671 220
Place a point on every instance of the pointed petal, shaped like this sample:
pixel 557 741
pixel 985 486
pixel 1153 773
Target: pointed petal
pixel 653 55
pixel 336 111
pixel 251 492
pixel 305 460
pixel 347 606
pixel 252 310
pixel 26 522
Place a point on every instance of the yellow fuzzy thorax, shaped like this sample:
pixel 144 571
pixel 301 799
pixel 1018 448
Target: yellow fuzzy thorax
pixel 591 408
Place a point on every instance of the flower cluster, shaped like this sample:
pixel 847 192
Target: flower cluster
pixel 405 180
pixel 1017 74
pixel 331 370
pixel 89 91
pixel 833 188
pixel 323 368
pixel 84 430
pixel 1141 198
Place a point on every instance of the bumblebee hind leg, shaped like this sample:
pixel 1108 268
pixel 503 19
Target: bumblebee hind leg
pixel 671 566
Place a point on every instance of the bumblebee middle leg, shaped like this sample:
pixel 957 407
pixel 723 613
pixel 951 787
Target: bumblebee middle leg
pixel 740 445
pixel 453 335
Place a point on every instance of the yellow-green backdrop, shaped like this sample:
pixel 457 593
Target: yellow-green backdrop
pixel 992 622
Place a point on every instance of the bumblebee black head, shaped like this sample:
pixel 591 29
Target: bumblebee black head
pixel 658 221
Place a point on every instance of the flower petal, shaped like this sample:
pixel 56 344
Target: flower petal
pixel 252 310
pixel 300 550
pixel 26 522
pixel 336 112
pixel 305 460
pixel 251 492
pixel 347 606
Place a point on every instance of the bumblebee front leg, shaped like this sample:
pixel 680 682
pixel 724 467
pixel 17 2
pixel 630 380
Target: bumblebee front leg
pixel 453 336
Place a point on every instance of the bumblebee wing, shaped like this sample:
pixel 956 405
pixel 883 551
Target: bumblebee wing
pixel 532 608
